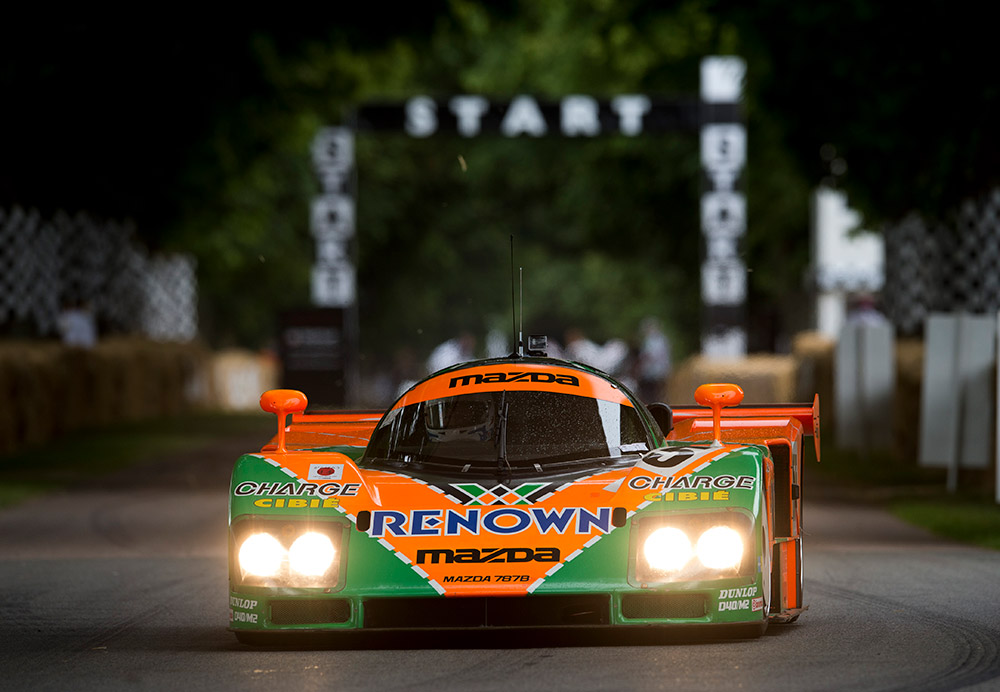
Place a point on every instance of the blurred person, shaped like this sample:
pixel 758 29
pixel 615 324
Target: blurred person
pixel 615 358
pixel 496 344
pixel 77 325
pixel 863 309
pixel 611 358
pixel 461 349
pixel 555 350
pixel 653 366
pixel 581 349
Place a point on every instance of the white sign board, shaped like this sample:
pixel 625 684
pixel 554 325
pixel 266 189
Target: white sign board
pixel 724 153
pixel 722 79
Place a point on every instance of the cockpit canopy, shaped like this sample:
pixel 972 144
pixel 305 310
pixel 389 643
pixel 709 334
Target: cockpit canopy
pixel 507 432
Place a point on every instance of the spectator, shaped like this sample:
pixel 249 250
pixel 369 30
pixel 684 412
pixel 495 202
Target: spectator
pixel 611 358
pixel 453 351
pixel 863 310
pixel 496 344
pixel 581 349
pixel 77 325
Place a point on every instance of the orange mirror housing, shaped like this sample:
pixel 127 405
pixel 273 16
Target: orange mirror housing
pixel 282 402
pixel 716 396
pixel 286 400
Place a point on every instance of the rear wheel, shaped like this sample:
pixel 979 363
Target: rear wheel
pixel 786 607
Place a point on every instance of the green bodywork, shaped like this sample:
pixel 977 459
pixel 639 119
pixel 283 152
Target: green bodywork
pixel 371 569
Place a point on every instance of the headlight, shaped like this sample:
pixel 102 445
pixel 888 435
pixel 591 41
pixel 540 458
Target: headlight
pixel 287 553
pixel 667 549
pixel 311 554
pixel 261 555
pixel 719 548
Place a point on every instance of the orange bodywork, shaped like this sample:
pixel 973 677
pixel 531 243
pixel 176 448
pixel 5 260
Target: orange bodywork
pixel 781 429
pixel 326 429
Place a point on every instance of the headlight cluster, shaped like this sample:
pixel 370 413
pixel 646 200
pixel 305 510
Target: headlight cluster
pixel 695 550
pixel 288 554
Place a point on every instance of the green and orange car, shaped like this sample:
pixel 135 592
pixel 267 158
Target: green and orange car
pixel 520 492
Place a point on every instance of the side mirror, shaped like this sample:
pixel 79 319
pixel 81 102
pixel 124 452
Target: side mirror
pixel 717 396
pixel 282 402
pixel 663 415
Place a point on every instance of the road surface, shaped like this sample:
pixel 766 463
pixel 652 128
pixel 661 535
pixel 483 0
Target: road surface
pixel 122 585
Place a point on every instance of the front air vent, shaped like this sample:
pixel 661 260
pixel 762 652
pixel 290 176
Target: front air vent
pixel 663 606
pixel 310 611
pixel 465 612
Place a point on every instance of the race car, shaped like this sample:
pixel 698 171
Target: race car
pixel 523 491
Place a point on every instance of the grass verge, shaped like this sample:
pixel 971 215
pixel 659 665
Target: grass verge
pixel 86 454
pixel 919 495
pixel 964 517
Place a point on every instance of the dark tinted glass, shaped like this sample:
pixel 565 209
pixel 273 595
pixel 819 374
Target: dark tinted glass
pixel 484 432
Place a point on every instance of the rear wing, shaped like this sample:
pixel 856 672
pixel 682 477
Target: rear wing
pixel 760 423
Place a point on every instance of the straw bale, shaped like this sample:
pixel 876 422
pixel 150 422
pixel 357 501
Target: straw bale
pixel 764 378
pixel 32 384
pixel 815 355
pixel 906 410
pixel 49 389
pixel 239 377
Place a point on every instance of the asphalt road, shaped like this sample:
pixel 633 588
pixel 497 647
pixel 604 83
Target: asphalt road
pixel 122 585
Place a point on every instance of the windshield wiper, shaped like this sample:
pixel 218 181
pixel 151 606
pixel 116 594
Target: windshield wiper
pixel 502 462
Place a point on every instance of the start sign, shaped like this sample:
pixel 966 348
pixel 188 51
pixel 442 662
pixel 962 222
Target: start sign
pixel 471 115
pixel 716 114
pixel 575 116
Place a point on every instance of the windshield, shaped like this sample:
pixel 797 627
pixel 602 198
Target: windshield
pixel 505 432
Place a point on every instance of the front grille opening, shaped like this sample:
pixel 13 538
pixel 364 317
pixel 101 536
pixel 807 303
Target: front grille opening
pixel 528 611
pixel 310 611
pixel 657 606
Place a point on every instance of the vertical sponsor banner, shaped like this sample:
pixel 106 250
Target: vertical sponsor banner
pixel 332 218
pixel 723 208
pixel 333 279
pixel 317 355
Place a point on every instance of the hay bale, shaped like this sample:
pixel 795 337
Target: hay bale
pixel 76 370
pixel 815 354
pixel 906 409
pixel 239 377
pixel 8 414
pixel 764 378
pixel 33 389
pixel 50 389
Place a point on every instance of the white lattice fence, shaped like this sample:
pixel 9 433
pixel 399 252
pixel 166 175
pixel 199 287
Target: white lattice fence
pixel 951 268
pixel 47 264
pixel 171 299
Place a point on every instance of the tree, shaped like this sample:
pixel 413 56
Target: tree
pixel 904 96
pixel 607 230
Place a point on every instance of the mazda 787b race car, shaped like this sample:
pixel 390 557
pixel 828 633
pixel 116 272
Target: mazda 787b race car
pixel 520 492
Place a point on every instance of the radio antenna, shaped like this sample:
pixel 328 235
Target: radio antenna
pixel 513 303
pixel 520 310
